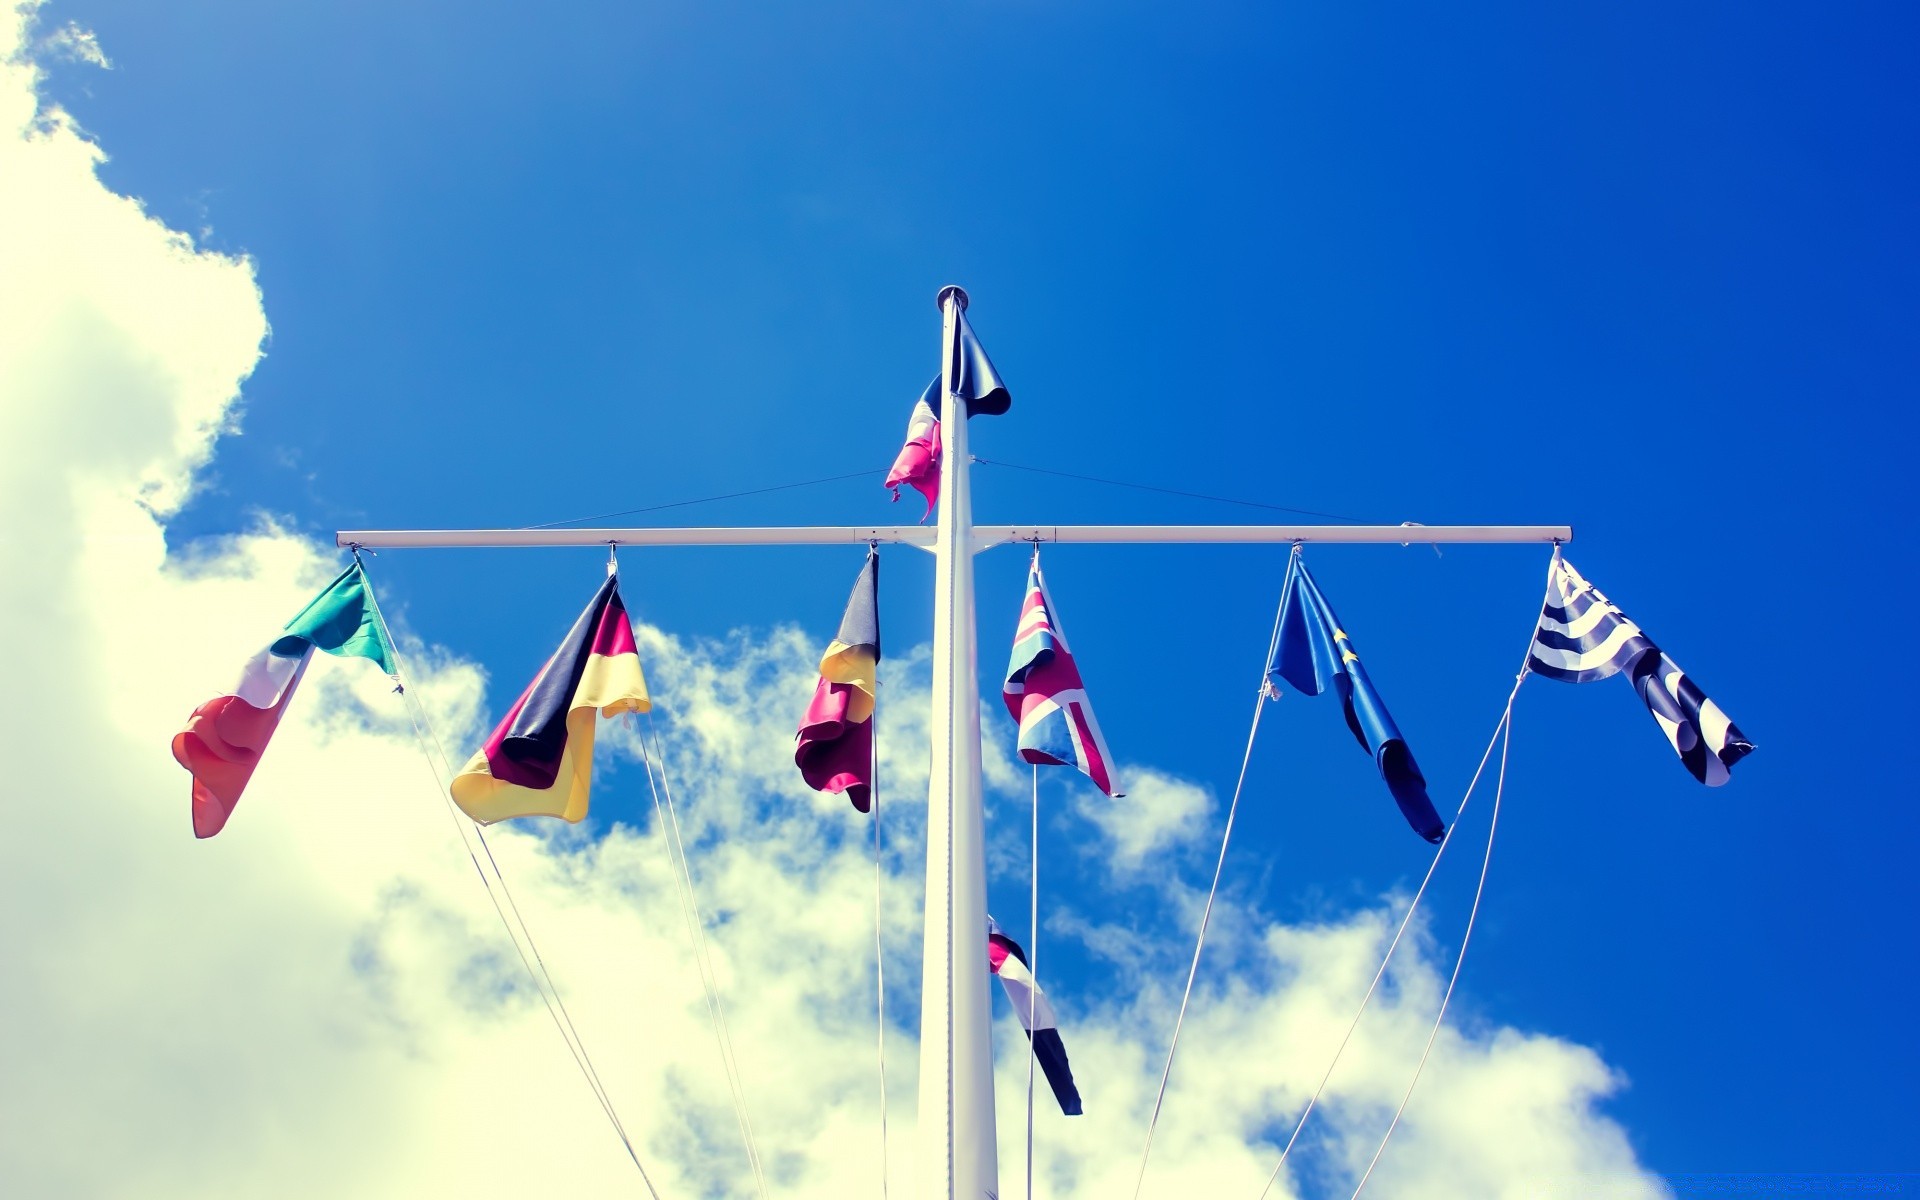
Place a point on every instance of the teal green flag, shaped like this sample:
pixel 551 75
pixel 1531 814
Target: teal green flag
pixel 341 620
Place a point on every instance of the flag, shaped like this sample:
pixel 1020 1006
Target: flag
pixel 918 464
pixel 539 761
pixel 225 737
pixel 974 380
pixel 834 748
pixel 973 377
pixel 1009 963
pixel 1313 652
pixel 1046 696
pixel 1583 636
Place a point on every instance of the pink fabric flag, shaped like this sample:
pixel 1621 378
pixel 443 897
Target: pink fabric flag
pixel 918 464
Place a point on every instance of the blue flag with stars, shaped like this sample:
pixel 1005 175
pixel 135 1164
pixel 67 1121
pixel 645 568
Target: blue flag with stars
pixel 1314 653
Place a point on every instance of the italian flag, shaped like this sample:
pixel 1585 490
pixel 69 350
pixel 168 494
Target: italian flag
pixel 225 737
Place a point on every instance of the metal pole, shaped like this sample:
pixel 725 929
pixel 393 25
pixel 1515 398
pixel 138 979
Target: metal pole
pixel 756 535
pixel 958 1156
pixel 984 536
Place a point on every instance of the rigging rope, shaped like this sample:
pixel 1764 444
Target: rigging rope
pixel 1206 914
pixel 441 767
pixel 1472 914
pixel 536 968
pixel 989 462
pixel 879 949
pixel 1166 491
pixel 669 822
pixel 1406 920
pixel 1503 725
pixel 778 487
pixel 1033 953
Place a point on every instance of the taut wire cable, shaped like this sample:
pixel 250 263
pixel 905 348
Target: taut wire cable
pixel 778 487
pixel 1458 962
pixel 1165 491
pixel 1206 914
pixel 1033 953
pixel 1405 920
pixel 1506 723
pixel 669 822
pixel 1033 937
pixel 879 947
pixel 441 768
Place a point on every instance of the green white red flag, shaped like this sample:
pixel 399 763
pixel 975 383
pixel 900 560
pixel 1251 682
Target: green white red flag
pixel 225 737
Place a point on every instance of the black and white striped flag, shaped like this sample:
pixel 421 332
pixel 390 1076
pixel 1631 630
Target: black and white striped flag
pixel 1584 636
pixel 1009 963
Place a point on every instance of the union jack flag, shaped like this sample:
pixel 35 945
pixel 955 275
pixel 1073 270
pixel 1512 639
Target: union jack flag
pixel 1045 694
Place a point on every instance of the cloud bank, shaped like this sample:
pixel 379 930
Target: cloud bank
pixel 321 1002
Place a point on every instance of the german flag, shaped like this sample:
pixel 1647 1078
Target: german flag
pixel 834 750
pixel 539 762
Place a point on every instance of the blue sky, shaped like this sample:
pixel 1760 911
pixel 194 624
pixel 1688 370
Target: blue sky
pixel 1643 271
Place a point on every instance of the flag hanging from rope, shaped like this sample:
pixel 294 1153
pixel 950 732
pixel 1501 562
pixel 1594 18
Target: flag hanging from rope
pixel 1583 636
pixel 1046 696
pixel 918 464
pixel 1009 964
pixel 225 737
pixel 1313 652
pixel 834 748
pixel 539 761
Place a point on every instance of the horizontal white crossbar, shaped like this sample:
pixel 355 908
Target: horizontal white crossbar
pixel 916 535
pixel 749 535
pixel 1227 534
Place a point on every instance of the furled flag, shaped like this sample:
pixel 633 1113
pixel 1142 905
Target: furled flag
pixel 972 373
pixel 1584 636
pixel 975 381
pixel 226 736
pixel 835 744
pixel 539 761
pixel 1314 652
pixel 1044 693
pixel 1009 963
pixel 918 464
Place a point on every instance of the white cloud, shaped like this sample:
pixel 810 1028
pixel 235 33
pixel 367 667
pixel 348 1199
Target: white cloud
pixel 1159 814
pixel 319 1002
pixel 75 44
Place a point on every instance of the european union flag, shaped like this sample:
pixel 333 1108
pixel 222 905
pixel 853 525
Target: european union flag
pixel 1314 652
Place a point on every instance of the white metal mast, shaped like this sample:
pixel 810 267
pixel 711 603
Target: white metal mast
pixel 958 1157
pixel 957 1154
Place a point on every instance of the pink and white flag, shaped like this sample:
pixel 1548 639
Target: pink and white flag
pixel 918 463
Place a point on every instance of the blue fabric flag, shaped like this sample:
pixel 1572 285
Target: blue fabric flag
pixel 1314 653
